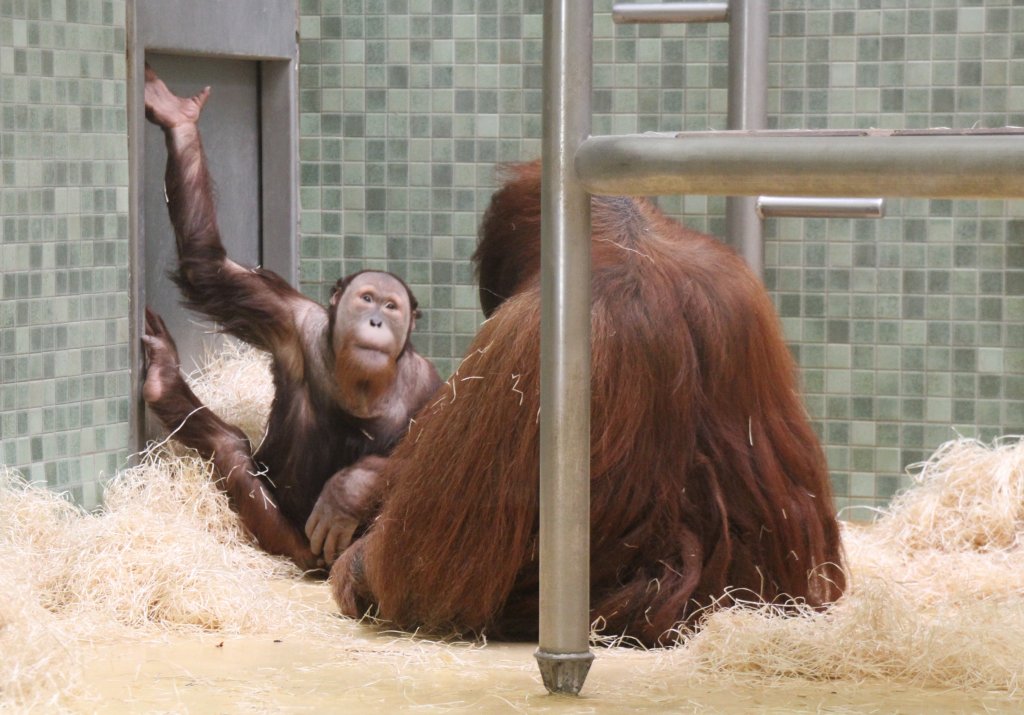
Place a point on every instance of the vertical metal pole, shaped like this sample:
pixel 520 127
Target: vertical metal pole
pixel 563 652
pixel 748 84
pixel 136 229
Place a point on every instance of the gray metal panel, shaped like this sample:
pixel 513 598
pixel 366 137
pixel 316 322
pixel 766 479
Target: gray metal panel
pixel 252 29
pixel 231 138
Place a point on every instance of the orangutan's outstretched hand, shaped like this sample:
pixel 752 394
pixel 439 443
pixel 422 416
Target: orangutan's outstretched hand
pixel 168 110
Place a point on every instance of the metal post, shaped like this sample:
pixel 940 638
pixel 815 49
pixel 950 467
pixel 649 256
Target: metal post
pixel 563 652
pixel 748 83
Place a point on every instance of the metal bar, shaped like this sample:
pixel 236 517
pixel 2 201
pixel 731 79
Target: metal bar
pixel 816 207
pixel 135 72
pixel 669 12
pixel 748 88
pixel 279 137
pixel 563 652
pixel 748 64
pixel 956 165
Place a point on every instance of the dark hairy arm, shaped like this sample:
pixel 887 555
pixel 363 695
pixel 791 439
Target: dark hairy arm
pixel 252 304
pixel 195 425
pixel 349 499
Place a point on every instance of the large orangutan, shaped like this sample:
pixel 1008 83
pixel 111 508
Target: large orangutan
pixel 706 476
pixel 346 377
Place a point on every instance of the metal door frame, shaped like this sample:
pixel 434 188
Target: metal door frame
pixel 265 31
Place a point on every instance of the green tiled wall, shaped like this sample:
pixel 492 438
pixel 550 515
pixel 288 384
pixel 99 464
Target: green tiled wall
pixel 63 242
pixel 908 330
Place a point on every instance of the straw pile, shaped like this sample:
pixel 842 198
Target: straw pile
pixel 166 554
pixel 34 665
pixel 936 596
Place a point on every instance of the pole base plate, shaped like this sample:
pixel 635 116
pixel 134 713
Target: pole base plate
pixel 564 673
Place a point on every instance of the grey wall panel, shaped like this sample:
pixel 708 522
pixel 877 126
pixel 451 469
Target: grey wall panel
pixel 231 138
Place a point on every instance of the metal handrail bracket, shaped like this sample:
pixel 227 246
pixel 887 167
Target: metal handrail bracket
pixel 669 12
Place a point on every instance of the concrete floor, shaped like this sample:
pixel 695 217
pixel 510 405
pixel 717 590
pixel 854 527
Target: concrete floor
pixel 287 674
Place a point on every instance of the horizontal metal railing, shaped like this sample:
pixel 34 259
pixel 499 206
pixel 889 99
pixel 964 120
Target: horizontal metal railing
pixel 930 164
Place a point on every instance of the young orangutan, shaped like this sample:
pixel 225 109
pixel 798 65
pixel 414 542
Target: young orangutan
pixel 347 379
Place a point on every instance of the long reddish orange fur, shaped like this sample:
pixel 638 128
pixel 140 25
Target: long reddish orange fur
pixel 706 476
